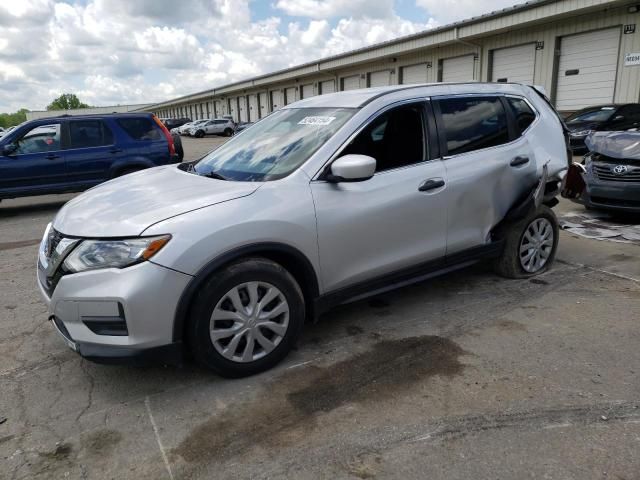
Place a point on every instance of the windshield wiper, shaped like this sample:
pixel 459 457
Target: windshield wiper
pixel 215 175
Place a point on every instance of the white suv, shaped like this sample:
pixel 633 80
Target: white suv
pixel 324 202
pixel 217 126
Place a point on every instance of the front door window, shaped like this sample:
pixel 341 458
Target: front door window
pixel 40 139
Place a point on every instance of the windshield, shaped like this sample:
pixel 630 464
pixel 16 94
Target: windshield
pixel 599 115
pixel 276 146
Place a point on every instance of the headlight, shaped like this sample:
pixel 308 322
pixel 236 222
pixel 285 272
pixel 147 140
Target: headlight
pixel 93 254
pixel 581 133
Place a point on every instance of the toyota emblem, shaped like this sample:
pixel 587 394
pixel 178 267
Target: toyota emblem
pixel 620 169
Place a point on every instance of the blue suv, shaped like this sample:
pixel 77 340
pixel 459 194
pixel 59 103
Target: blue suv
pixel 70 154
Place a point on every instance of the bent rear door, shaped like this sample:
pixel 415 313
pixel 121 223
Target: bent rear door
pixel 90 151
pixel 487 169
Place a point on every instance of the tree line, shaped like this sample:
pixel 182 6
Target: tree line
pixel 66 101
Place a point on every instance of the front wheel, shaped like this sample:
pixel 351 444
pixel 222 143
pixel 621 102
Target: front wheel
pixel 529 245
pixel 246 318
pixel 199 134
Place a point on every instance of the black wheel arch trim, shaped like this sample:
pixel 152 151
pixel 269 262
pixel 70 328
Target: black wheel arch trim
pixel 310 287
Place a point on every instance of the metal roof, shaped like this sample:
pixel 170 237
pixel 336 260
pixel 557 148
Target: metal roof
pixel 316 63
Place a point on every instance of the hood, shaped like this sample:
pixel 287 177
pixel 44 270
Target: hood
pixel 128 205
pixel 619 145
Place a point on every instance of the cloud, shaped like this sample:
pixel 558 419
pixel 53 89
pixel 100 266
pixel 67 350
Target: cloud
pixel 448 11
pixel 124 51
pixel 337 8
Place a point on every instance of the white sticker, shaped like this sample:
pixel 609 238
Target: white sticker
pixel 316 121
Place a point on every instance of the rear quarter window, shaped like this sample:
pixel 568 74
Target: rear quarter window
pixel 140 128
pixel 522 113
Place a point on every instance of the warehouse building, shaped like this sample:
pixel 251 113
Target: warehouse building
pixel 583 52
pixel 36 114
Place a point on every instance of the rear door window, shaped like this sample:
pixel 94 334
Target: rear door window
pixel 89 133
pixel 522 114
pixel 140 128
pixel 473 123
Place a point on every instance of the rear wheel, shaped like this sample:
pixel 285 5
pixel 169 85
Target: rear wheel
pixel 246 318
pixel 529 245
pixel 228 132
pixel 177 144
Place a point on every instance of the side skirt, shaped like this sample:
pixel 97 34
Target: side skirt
pixel 407 276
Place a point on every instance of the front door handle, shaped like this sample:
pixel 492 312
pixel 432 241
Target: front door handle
pixel 115 150
pixel 52 156
pixel 518 161
pixel 431 184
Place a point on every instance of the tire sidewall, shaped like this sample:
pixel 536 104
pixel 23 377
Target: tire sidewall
pixel 211 293
pixel 541 212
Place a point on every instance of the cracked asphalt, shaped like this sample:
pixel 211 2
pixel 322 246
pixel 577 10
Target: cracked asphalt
pixel 466 376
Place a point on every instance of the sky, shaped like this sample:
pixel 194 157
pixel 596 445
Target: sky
pixel 111 52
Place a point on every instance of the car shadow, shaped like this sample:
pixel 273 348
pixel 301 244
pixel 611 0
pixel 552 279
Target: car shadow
pixel 9 210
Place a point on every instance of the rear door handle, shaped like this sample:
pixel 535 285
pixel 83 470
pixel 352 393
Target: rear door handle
pixel 516 162
pixel 431 184
pixel 52 156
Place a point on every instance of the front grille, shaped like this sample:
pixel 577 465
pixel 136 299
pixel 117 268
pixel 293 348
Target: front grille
pixel 56 249
pixel 605 171
pixel 52 243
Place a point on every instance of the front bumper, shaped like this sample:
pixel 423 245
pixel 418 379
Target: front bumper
pixel 615 196
pixel 118 315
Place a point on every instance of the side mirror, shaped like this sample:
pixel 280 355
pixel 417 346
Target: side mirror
pixel 352 168
pixel 9 149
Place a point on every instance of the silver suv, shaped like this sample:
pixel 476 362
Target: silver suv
pixel 217 126
pixel 326 201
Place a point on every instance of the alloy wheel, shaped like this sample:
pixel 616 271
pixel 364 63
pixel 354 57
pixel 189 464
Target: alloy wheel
pixel 536 245
pixel 249 321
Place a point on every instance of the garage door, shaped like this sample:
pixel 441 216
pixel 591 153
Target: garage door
pixel 514 64
pixel 276 99
pixel 244 109
pixel 217 108
pixel 351 83
pixel 414 74
pixel 234 109
pixel 587 69
pixel 307 91
pixel 289 95
pixel 380 79
pixel 254 111
pixel 459 69
pixel 328 86
pixel 264 105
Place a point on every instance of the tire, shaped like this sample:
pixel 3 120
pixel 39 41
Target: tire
pixel 516 235
pixel 228 132
pixel 199 134
pixel 177 143
pixel 227 354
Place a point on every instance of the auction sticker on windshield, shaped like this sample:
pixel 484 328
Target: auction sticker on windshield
pixel 316 121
